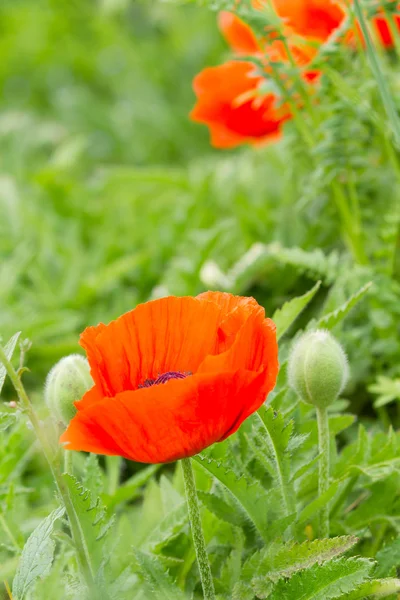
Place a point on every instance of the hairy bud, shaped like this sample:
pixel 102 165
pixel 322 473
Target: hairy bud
pixel 67 382
pixel 318 368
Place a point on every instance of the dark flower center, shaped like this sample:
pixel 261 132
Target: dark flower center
pixel 164 378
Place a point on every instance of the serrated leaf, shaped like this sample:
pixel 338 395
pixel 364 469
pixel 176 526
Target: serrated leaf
pixel 329 580
pixel 242 591
pixel 9 351
pixel 330 320
pixel 377 588
pixel 277 435
pixel 156 581
pixel 222 509
pixel 172 523
pixel 284 317
pixel 276 561
pixel 92 478
pixel 91 516
pixel 37 556
pixel 251 496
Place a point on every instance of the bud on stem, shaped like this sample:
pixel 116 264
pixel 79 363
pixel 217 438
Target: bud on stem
pixel 67 382
pixel 318 371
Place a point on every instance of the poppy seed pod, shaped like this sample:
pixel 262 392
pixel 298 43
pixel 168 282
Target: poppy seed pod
pixel 318 368
pixel 67 381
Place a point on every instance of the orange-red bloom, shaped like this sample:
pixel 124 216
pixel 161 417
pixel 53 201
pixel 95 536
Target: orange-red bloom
pixel 231 103
pixel 173 376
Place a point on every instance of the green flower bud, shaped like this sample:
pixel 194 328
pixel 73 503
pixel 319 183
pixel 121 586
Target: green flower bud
pixel 318 368
pixel 67 382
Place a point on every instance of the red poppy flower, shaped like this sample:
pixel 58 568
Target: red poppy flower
pixel 315 19
pixel 173 376
pixel 231 103
pixel 384 30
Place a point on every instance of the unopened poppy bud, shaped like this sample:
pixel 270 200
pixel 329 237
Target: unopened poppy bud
pixel 67 382
pixel 318 368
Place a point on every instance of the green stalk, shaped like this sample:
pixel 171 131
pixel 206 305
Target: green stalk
pixel 68 468
pixel 379 76
pixel 323 480
pixel 52 459
pixel 113 464
pixel 197 530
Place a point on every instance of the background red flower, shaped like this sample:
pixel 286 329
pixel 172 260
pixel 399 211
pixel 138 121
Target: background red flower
pixel 231 103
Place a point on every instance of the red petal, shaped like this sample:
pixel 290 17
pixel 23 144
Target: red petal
pixel 235 311
pixel 171 421
pixel 171 334
pixel 238 34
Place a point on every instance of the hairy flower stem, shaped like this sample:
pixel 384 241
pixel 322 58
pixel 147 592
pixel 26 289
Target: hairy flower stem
pixel 384 90
pixel 68 462
pixel 323 480
pixel 197 530
pixel 53 461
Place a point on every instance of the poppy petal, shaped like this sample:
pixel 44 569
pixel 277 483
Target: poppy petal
pixel 238 34
pixel 170 334
pixel 170 421
pixel 91 397
pixel 235 310
pixel 230 103
pixel 254 348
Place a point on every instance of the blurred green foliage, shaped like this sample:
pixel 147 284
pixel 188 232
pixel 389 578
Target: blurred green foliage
pixel 109 196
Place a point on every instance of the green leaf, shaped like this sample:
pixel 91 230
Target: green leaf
pixel 221 509
pixel 6 420
pixel 284 317
pixel 333 318
pixel 387 390
pixel 37 556
pixel 91 516
pixel 277 436
pixel 132 488
pixel 276 561
pixel 9 350
pixel 251 496
pixel 377 588
pixel 315 506
pixel 388 558
pixel 92 478
pixel 172 523
pixel 330 580
pixel 157 583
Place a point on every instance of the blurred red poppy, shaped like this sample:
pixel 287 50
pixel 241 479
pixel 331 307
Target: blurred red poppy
pixel 231 102
pixel 313 19
pixel 174 376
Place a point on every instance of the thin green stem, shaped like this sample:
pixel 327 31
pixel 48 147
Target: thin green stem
pixel 52 458
pixel 113 464
pixel 9 533
pixel 323 480
pixel 197 530
pixel 377 71
pixel 68 467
